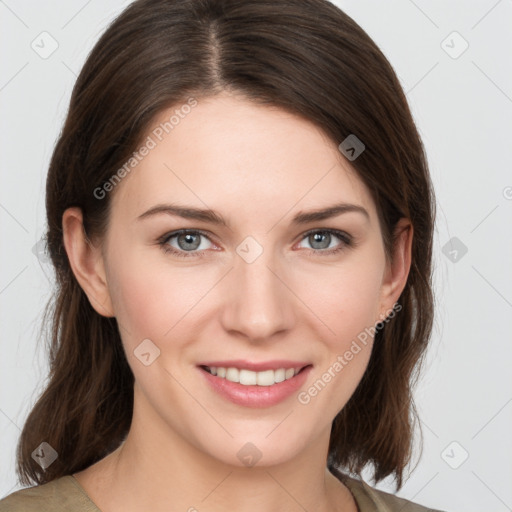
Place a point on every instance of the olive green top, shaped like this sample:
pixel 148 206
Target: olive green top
pixel 65 494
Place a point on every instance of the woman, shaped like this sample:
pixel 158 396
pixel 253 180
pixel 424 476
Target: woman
pixel 240 216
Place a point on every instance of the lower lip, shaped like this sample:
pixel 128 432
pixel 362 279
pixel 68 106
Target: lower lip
pixel 256 396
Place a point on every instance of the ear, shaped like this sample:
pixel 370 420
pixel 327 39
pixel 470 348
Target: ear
pixel 86 262
pixel 397 271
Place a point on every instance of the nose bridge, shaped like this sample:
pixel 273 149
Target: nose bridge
pixel 258 303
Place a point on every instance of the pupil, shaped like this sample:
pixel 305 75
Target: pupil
pixel 189 239
pixel 316 237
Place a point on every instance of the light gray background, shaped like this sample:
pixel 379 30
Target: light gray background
pixel 463 107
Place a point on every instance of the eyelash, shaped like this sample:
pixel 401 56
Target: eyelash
pixel 347 241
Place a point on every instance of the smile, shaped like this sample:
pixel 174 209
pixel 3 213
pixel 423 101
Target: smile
pixel 250 378
pixel 260 389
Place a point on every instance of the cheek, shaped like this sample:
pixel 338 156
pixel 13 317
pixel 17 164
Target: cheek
pixel 348 306
pixel 136 303
pixel 347 298
pixel 154 300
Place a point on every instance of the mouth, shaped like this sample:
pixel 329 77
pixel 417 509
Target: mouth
pixel 247 377
pixel 250 388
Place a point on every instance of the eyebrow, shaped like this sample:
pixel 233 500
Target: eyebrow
pixel 212 217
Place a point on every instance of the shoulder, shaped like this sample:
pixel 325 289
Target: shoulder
pixel 61 494
pixel 370 499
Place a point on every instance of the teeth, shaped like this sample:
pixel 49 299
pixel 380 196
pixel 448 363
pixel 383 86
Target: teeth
pixel 233 375
pixel 250 378
pixel 279 375
pixel 247 378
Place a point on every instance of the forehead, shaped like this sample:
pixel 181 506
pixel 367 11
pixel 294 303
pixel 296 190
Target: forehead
pixel 233 155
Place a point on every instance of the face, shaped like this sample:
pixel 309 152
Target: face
pixel 261 288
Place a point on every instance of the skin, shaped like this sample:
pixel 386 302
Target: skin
pixel 257 166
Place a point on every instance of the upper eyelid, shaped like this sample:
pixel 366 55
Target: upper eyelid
pixel 172 234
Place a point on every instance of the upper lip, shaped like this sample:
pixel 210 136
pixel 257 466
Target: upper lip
pixel 276 364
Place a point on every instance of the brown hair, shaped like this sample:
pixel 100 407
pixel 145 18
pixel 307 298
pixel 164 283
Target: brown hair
pixel 305 56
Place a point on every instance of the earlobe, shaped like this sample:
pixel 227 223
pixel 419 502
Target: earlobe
pixel 397 271
pixel 86 262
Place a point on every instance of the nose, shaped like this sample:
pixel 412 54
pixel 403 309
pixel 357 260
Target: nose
pixel 258 302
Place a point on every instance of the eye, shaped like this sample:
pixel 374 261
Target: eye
pixel 320 240
pixel 188 241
